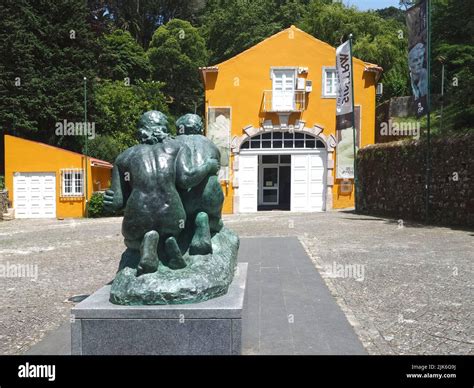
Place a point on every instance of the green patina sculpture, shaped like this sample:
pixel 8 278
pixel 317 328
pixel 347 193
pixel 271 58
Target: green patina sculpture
pixel 178 250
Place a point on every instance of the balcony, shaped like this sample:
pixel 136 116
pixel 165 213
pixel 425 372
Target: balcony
pixel 284 103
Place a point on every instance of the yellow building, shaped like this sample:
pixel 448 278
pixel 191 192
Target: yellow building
pixel 272 112
pixel 48 182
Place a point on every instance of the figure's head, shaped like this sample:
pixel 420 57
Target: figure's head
pixel 152 127
pixel 416 58
pixel 189 124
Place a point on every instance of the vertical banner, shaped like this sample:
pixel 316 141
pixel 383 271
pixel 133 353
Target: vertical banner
pixel 218 131
pixel 417 24
pixel 344 113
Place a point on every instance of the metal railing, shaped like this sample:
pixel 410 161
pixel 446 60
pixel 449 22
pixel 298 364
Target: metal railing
pixel 298 103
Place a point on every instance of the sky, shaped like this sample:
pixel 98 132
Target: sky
pixel 364 5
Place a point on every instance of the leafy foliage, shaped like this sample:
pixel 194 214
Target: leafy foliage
pixel 141 18
pixel 105 147
pixel 232 26
pixel 42 65
pixel 453 44
pixel 376 40
pixel 176 51
pixel 95 207
pixel 122 57
pixel 119 108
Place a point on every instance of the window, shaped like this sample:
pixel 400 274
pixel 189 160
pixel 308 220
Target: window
pixel 279 140
pixel 329 82
pixel 283 89
pixel 72 182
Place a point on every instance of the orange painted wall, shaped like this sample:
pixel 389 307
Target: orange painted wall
pixel 28 156
pixel 241 81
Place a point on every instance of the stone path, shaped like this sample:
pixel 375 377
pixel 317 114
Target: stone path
pixel 290 310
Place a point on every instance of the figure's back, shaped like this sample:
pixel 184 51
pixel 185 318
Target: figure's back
pixel 201 148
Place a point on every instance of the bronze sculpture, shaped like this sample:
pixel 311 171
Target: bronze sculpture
pixel 172 221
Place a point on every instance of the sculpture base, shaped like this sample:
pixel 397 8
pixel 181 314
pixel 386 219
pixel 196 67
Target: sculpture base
pixel 208 328
pixel 205 277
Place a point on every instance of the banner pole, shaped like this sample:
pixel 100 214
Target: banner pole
pixel 428 117
pixel 353 125
pixel 86 151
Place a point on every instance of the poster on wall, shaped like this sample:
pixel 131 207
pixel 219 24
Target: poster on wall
pixel 417 25
pixel 218 131
pixel 345 148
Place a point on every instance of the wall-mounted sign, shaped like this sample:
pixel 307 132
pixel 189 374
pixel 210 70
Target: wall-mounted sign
pixel 345 186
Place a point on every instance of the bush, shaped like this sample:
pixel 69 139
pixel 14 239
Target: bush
pixel 96 205
pixel 2 182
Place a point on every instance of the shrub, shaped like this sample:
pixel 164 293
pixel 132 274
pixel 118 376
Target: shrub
pixel 96 205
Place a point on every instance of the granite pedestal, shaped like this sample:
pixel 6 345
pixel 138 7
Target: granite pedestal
pixel 213 327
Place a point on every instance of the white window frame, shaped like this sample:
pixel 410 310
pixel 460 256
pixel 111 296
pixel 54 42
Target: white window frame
pixel 75 192
pixel 258 139
pixel 293 69
pixel 324 91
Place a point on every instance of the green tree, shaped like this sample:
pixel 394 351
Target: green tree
pixel 376 40
pixel 176 52
pixel 119 108
pixel 454 43
pixel 122 57
pixel 232 26
pixel 392 13
pixel 46 51
pixel 141 18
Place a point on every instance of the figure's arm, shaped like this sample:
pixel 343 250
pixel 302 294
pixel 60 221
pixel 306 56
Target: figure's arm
pixel 114 198
pixel 187 175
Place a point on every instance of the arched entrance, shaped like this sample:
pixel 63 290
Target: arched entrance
pixel 281 170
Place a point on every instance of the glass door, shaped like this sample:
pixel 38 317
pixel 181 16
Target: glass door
pixel 269 185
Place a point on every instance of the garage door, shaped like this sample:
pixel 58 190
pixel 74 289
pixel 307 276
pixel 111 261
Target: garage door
pixel 308 182
pixel 34 195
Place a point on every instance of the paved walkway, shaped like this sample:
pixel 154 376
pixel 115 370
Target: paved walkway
pixel 289 308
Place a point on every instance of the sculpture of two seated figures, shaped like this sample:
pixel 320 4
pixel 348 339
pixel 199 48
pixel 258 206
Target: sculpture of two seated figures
pixel 178 250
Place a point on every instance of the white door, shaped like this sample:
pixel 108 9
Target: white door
pixel 283 90
pixel 34 195
pixel 248 183
pixel 307 182
pixel 316 185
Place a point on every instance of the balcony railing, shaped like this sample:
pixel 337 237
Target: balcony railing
pixel 296 103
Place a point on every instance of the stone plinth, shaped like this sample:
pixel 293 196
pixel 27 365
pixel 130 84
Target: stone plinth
pixel 212 327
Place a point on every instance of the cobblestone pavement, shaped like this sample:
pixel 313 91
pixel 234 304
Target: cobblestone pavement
pixel 406 289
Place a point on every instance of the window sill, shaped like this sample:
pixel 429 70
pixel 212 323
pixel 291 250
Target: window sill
pixel 71 197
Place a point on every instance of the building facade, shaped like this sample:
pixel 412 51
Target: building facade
pixel 49 182
pixel 272 112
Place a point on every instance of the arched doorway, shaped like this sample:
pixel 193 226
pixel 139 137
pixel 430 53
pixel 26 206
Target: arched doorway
pixel 282 171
